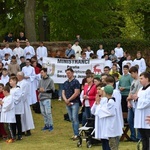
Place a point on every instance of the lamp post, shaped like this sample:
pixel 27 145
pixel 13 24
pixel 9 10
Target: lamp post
pixel 45 25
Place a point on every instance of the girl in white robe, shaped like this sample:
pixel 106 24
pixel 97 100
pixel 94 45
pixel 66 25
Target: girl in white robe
pixel 8 113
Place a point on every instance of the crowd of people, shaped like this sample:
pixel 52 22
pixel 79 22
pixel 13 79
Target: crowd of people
pixel 122 87
pixel 23 82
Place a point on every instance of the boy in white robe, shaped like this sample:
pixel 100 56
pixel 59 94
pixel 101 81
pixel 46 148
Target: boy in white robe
pixel 142 110
pixel 108 112
pixel 4 78
pixel 6 61
pixel 18 52
pixel 29 51
pixel 41 52
pixel 8 113
pixel 26 118
pixel 29 76
pixel 16 93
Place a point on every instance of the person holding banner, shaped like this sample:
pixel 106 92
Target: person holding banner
pixel 70 94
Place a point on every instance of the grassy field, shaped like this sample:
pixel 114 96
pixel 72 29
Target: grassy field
pixel 58 139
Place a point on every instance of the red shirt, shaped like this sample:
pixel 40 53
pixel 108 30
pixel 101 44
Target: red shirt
pixel 37 70
pixel 1 95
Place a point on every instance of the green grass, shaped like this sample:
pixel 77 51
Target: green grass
pixel 58 139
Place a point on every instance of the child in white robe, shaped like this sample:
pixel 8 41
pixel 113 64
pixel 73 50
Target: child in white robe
pixel 99 123
pixel 108 112
pixel 4 77
pixel 8 113
pixel 16 93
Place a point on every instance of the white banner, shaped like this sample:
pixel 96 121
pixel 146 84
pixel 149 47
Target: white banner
pixel 56 67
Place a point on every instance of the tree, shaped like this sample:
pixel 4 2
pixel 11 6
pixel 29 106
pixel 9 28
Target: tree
pixel 90 19
pixel 30 20
pixel 139 11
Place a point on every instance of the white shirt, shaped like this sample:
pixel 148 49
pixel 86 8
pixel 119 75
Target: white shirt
pixel 1 54
pixel 8 110
pixel 18 52
pixel 108 63
pixel 29 49
pixel 100 53
pixel 29 72
pixel 142 109
pixel 141 63
pixel 41 52
pixel 6 63
pixel 119 52
pixel 127 61
pixel 18 100
pixel 4 80
pixel 88 54
pixel 7 51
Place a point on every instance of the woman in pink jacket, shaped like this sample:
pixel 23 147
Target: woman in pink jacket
pixel 89 94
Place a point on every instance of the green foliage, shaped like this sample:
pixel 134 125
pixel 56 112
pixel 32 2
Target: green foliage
pixel 90 19
pixel 129 45
pixel 12 17
pixel 139 12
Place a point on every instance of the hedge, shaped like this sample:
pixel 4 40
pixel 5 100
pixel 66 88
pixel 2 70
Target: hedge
pixel 129 45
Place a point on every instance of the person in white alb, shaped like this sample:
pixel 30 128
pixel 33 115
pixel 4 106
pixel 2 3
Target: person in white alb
pixel 8 113
pixel 4 78
pixel 100 52
pixel 88 52
pixel 18 52
pixel 107 61
pixel 7 50
pixel 119 51
pixel 26 118
pixel 29 75
pixel 1 54
pixel 16 93
pixel 142 110
pixel 6 61
pixel 77 49
pixel 28 51
pixel 128 60
pixel 41 52
pixel 140 62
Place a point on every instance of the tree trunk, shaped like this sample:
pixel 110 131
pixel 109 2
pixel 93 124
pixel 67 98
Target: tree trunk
pixel 147 25
pixel 30 20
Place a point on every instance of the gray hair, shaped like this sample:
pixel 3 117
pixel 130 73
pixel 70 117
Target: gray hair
pixel 20 74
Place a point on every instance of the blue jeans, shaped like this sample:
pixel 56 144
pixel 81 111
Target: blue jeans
pixel 60 88
pixel 131 125
pixel 45 107
pixel 73 116
pixel 87 112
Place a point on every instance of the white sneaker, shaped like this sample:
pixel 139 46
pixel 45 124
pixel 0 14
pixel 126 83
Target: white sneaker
pixel 59 99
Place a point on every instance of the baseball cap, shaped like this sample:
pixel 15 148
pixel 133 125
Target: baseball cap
pixel 108 89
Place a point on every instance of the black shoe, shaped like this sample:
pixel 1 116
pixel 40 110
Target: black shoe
pixel 28 133
pixel 19 137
